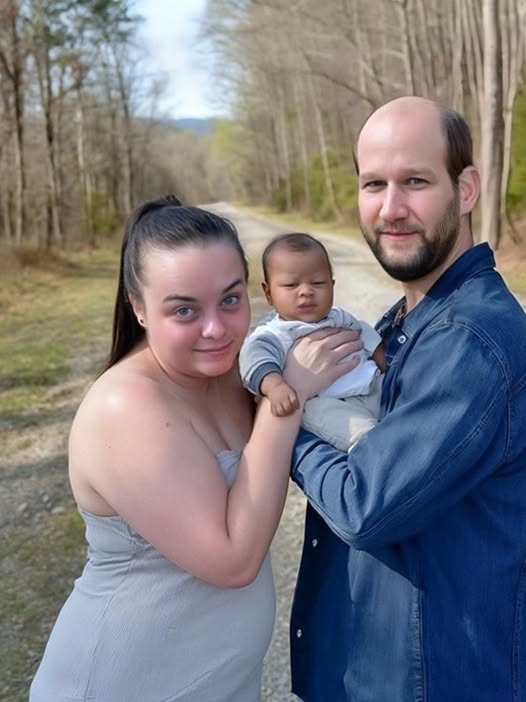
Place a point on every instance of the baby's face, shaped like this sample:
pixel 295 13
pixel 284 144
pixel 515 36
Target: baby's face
pixel 300 285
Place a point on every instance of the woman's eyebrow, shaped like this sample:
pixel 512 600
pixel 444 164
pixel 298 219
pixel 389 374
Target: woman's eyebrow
pixel 186 298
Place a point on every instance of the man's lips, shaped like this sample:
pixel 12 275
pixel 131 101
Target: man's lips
pixel 398 233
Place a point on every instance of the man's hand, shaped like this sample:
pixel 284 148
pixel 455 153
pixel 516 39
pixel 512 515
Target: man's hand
pixel 317 360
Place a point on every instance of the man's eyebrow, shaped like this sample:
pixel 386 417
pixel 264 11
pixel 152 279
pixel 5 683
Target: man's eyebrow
pixel 368 176
pixel 185 298
pixel 405 173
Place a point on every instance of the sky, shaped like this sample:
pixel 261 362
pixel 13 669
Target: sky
pixel 170 31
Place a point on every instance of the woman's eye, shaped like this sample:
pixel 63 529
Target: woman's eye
pixel 184 312
pixel 231 300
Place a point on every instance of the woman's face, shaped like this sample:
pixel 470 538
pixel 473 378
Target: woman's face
pixel 195 308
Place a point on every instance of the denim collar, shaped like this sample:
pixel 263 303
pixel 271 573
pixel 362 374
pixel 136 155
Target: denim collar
pixel 472 262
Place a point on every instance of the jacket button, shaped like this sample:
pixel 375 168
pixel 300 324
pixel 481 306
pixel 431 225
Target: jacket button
pixel 402 339
pixel 314 543
pixel 299 633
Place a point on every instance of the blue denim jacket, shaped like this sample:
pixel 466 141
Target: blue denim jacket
pixel 412 584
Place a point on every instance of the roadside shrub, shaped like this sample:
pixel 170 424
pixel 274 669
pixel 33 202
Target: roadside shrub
pixel 516 195
pixel 320 206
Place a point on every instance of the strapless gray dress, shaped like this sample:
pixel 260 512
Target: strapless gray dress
pixel 138 628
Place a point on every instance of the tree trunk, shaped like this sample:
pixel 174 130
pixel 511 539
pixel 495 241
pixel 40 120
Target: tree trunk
pixel 492 125
pixel 406 47
pixel 303 146
pixel 84 171
pixel 12 65
pixel 285 152
pixel 126 136
pixel 323 153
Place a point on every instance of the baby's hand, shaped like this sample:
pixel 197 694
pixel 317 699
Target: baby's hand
pixel 283 400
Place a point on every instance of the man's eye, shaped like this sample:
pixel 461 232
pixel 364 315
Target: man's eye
pixel 373 185
pixel 416 181
pixel 231 300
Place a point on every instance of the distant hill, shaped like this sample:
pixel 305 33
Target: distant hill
pixel 198 125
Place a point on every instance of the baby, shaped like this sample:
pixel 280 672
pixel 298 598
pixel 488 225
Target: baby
pixel 299 285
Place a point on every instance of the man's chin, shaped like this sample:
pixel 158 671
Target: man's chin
pixel 404 271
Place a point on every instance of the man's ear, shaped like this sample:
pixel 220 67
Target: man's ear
pixel 469 189
pixel 266 291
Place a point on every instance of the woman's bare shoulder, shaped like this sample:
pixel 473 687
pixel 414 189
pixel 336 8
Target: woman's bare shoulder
pixel 119 397
pixel 124 414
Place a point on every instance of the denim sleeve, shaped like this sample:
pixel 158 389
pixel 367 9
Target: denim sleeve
pixel 446 431
pixel 260 355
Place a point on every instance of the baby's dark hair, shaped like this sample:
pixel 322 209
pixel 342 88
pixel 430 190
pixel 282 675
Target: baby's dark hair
pixel 293 241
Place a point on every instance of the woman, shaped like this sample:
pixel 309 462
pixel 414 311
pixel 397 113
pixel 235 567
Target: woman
pixel 180 489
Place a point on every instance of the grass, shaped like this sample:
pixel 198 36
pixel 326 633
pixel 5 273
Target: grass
pixel 517 283
pixel 38 570
pixel 56 324
pixel 48 325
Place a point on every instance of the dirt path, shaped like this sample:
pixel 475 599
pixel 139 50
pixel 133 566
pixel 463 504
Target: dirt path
pixel 365 290
pixel 35 499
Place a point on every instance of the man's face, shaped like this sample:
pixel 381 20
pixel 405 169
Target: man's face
pixel 409 209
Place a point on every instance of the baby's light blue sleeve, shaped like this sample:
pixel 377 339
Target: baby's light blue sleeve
pixel 260 355
pixel 370 337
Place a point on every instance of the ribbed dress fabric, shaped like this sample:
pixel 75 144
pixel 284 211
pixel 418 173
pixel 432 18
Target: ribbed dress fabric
pixel 138 628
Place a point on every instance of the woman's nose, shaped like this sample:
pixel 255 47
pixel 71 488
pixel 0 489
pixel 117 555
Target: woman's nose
pixel 213 327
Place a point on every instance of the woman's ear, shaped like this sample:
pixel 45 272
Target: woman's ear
pixel 138 309
pixel 469 189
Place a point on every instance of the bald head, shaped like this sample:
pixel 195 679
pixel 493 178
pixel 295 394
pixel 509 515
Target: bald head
pixel 409 107
pixel 422 120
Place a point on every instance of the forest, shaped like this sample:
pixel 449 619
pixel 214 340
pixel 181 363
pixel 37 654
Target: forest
pixel 82 139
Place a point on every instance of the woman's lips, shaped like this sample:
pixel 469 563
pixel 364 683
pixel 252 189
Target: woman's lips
pixel 216 349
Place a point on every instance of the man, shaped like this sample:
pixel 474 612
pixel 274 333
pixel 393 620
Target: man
pixel 412 585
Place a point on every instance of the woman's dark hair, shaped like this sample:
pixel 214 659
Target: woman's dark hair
pixel 159 224
pixel 293 241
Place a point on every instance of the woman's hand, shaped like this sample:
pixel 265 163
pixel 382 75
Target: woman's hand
pixel 317 360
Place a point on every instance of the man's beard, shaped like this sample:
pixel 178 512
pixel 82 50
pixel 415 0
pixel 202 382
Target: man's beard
pixel 432 252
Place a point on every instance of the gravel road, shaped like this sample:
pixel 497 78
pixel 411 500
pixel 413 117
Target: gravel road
pixel 363 288
pixel 33 478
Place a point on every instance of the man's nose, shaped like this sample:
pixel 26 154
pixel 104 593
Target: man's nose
pixel 394 204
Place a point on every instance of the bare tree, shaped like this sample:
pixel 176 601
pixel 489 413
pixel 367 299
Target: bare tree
pixel 12 68
pixel 492 125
